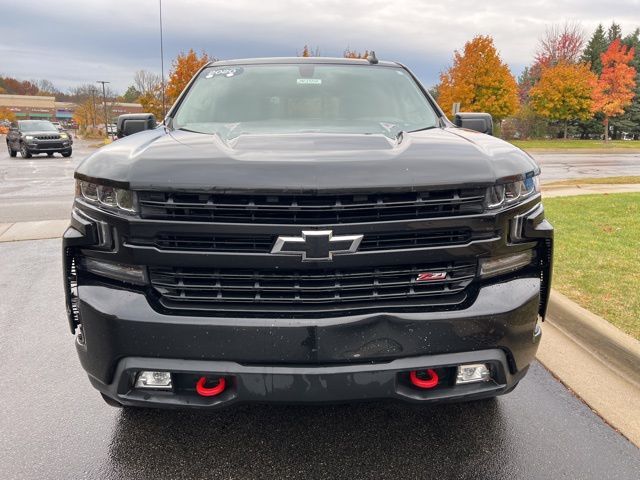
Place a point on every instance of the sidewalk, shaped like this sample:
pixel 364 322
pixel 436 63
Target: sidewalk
pixel 13 232
pixel 551 191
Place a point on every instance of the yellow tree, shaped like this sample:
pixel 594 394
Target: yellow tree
pixel 152 102
pixel 348 53
pixel 6 114
pixel 479 81
pixel 85 114
pixel 183 68
pixel 564 93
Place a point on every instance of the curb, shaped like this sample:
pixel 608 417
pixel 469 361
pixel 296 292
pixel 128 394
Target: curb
pixel 619 351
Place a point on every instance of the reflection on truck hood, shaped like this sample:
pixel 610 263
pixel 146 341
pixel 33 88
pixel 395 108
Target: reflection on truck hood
pixel 182 160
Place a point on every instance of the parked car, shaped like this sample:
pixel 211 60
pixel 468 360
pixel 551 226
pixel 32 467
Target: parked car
pixel 31 137
pixel 306 230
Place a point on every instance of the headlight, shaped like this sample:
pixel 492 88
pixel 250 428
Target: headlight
pixel 512 193
pixel 28 137
pixel 111 198
pixel 64 135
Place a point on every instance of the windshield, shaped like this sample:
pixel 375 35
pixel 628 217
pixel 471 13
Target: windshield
pixel 235 100
pixel 37 126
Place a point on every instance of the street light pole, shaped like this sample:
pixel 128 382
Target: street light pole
pixel 104 102
pixel 162 62
pixel 93 113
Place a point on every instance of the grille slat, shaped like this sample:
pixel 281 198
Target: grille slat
pixel 309 209
pixel 262 243
pixel 332 288
pixel 48 137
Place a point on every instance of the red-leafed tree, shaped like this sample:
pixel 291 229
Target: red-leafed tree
pixel 614 90
pixel 560 44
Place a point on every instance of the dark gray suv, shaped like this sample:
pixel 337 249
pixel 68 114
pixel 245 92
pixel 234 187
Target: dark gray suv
pixel 31 137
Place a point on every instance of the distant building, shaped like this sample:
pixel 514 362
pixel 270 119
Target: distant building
pixel 31 107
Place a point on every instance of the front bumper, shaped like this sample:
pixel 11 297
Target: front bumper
pixel 309 384
pixel 305 360
pixel 48 147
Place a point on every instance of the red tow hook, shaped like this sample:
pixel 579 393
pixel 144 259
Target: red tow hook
pixel 210 391
pixel 430 382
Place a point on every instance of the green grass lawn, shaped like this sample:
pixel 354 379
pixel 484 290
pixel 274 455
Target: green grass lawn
pixel 559 144
pixel 597 254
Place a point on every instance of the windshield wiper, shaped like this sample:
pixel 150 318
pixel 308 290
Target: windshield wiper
pixel 422 129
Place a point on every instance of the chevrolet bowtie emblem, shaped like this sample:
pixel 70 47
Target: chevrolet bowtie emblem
pixel 316 245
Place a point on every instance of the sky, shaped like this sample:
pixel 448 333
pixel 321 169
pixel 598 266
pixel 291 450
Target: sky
pixel 71 42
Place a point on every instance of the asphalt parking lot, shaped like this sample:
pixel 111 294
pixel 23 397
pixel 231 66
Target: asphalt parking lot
pixel 55 426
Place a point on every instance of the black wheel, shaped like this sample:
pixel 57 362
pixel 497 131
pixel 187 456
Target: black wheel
pixel 110 401
pixel 24 151
pixel 67 154
pixel 12 152
pixel 50 154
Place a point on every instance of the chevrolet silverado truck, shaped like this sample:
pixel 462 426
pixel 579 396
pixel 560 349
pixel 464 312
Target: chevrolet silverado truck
pixel 306 230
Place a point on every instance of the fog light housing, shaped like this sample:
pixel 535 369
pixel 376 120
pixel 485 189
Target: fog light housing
pixel 473 372
pixel 117 271
pixel 492 266
pixel 154 380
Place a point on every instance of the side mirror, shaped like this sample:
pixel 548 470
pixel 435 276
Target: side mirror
pixel 131 123
pixel 480 122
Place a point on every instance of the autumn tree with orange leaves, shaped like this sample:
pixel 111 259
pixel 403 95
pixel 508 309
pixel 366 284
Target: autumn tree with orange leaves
pixel 183 68
pixel 564 93
pixel 614 90
pixel 479 80
pixel 348 53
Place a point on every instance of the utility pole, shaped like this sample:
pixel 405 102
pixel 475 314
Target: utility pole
pixel 93 113
pixel 104 102
pixel 162 62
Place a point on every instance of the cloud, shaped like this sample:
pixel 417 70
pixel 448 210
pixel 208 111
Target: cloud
pixel 74 41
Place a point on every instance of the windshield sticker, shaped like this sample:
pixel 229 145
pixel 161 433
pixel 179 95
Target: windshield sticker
pixel 224 72
pixel 309 81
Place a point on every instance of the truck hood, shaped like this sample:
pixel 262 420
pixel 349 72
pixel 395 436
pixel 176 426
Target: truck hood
pixel 181 160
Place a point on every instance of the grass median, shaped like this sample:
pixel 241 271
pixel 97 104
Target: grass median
pixel 596 145
pixel 597 254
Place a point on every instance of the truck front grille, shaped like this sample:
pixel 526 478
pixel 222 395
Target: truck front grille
pixel 237 289
pixel 262 243
pixel 310 209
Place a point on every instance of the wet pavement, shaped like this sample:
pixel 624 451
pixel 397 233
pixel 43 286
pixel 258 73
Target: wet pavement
pixel 54 425
pixel 41 188
pixel 38 188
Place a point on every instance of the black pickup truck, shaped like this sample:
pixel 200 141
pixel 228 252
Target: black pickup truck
pixel 306 230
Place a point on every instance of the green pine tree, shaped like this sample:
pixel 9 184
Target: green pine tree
pixel 595 47
pixel 615 31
